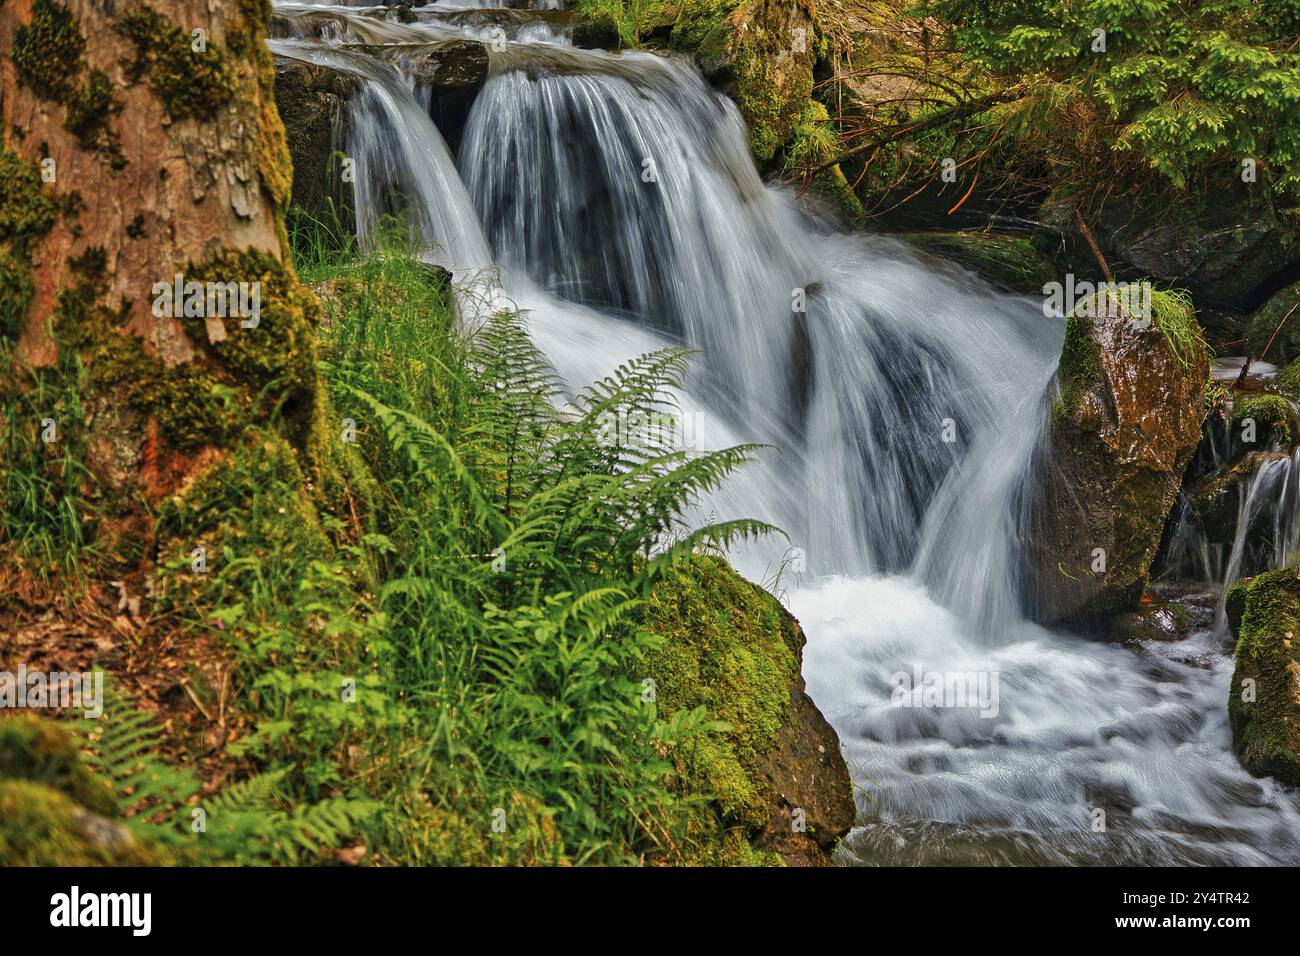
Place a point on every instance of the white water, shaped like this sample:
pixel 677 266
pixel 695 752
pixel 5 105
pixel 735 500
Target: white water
pixel 903 407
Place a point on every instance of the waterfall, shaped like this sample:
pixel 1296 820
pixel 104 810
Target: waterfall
pixel 902 404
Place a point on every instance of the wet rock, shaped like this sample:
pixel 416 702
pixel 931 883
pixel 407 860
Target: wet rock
pixel 1227 249
pixel 450 73
pixel 1264 699
pixel 1010 262
pixel 1156 621
pixel 312 102
pixel 1125 423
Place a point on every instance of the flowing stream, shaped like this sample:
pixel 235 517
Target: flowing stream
pixel 615 198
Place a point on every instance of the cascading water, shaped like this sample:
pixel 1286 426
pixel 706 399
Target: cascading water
pixel 903 402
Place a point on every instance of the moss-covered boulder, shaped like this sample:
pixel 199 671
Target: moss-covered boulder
pixel 53 810
pixel 1273 332
pixel 1010 262
pixel 1264 700
pixel 44 753
pixel 1262 421
pixel 779 784
pixel 40 826
pixel 760 54
pixel 1125 423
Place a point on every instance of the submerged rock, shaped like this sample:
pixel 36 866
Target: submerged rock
pixel 779 781
pixel 1126 422
pixel 1264 700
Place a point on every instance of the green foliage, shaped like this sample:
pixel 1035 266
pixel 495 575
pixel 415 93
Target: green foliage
pixel 457 634
pixel 632 20
pixel 1179 85
pixel 248 822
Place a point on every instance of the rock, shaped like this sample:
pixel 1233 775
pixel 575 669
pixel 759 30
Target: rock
pixel 1125 424
pixel 40 826
pixel 760 54
pixel 1261 421
pixel 312 103
pixel 1224 247
pixel 1273 332
pixel 1010 262
pixel 778 780
pixel 1264 699
pixel 43 752
pixel 1157 621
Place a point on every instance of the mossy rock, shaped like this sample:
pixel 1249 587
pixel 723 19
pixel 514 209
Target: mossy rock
pixel 1288 381
pixel 1264 699
pixel 41 826
pixel 731 648
pixel 43 752
pixel 756 54
pixel 1272 419
pixel 1273 332
pixel 1125 424
pixel 1010 262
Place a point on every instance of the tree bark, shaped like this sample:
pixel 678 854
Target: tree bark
pixel 140 143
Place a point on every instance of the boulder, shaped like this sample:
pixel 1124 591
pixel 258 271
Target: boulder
pixel 1121 431
pixel 1264 699
pixel 1225 247
pixel 778 782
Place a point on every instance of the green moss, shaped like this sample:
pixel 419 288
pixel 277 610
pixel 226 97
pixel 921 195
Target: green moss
pixel 1266 730
pixel 15 293
pixel 731 649
pixel 1288 381
pixel 1272 417
pixel 43 752
pixel 40 826
pixel 1009 261
pixel 1079 369
pixel 27 210
pixel 189 82
pixel 276 359
pixel 47 51
pixel 89 110
pixel 187 400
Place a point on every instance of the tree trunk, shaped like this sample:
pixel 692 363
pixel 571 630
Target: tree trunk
pixel 141 144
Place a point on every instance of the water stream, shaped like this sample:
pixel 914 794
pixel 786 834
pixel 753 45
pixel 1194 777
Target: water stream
pixel 617 199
